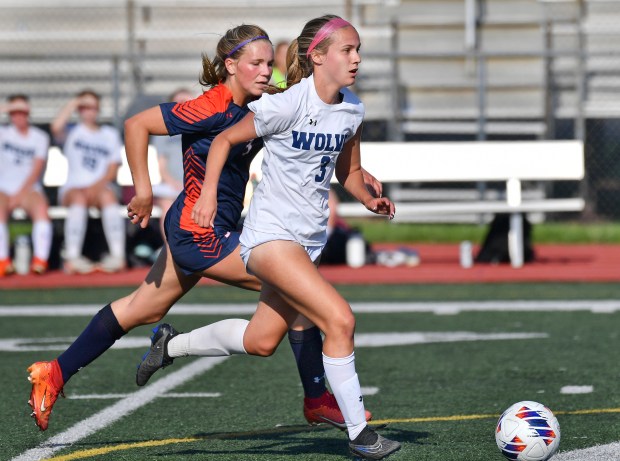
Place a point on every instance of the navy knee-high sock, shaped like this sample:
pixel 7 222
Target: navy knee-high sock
pixel 307 347
pixel 102 331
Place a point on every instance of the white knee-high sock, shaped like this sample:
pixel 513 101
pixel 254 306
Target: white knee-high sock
pixel 216 340
pixel 343 380
pixel 75 230
pixel 114 230
pixel 42 239
pixel 4 240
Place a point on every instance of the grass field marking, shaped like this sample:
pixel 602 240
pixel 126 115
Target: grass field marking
pixel 431 337
pixel 571 390
pixel 169 395
pixel 89 453
pixel 607 452
pixel 361 340
pixel 120 409
pixel 440 308
pixel 83 454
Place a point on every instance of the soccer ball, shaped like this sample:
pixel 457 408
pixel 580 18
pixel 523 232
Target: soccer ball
pixel 528 431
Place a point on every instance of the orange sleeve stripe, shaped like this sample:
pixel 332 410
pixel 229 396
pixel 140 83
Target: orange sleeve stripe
pixel 212 102
pixel 186 118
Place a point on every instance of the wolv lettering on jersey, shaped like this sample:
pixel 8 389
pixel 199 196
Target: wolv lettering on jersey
pixel 327 142
pixel 19 154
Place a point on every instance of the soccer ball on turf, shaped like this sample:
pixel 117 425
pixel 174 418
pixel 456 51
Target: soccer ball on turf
pixel 528 431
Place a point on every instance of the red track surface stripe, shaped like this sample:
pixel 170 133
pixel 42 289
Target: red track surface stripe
pixel 439 264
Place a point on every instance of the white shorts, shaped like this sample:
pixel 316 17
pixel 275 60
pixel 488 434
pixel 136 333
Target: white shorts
pixel 62 190
pixel 251 238
pixel 13 188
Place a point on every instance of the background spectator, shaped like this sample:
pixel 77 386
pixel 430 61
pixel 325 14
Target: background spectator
pixel 278 76
pixel 94 155
pixel 23 154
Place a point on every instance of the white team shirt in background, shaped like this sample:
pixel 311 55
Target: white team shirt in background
pixel 17 156
pixel 89 154
pixel 303 137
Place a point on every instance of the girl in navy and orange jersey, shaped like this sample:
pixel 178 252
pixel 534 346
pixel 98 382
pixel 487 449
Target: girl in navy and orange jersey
pixel 238 74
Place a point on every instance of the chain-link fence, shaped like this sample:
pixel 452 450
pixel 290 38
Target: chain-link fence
pixel 432 69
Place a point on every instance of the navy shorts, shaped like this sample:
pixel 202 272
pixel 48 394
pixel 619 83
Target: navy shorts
pixel 195 253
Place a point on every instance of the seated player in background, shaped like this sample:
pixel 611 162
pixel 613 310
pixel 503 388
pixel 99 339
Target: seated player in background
pixel 23 156
pixel 93 153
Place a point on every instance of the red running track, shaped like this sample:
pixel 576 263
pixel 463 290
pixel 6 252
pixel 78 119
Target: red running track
pixel 438 264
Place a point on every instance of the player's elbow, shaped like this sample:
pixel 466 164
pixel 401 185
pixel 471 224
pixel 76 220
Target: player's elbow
pixel 131 124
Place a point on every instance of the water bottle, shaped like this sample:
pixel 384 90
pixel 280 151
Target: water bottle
pixel 465 254
pixel 356 250
pixel 21 261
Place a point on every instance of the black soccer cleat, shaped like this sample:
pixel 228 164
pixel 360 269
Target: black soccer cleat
pixel 370 445
pixel 157 356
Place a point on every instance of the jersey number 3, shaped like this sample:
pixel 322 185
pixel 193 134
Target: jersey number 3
pixel 325 160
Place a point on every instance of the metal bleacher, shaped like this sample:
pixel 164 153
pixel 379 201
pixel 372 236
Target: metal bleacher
pixel 472 68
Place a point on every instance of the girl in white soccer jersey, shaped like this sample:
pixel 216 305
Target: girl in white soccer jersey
pixel 309 131
pixel 94 156
pixel 23 154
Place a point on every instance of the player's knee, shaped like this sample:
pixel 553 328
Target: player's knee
pixel 263 348
pixel 130 316
pixel 342 325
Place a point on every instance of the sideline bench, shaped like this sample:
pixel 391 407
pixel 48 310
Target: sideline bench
pixel 511 162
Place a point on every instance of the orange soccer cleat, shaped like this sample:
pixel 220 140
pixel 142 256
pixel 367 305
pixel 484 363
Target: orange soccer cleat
pixel 46 379
pixel 324 409
pixel 6 267
pixel 38 266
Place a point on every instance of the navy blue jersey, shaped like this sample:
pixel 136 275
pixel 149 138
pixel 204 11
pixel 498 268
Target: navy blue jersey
pixel 199 121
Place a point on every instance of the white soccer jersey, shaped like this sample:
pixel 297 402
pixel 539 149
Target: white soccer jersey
pixel 17 155
pixel 89 154
pixel 303 137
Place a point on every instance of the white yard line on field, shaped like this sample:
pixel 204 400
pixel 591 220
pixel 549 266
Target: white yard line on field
pixel 610 452
pixel 361 340
pixel 442 308
pixel 120 409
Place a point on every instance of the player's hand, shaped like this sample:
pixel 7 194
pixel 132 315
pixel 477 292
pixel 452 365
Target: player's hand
pixel 373 185
pixel 139 210
pixel 205 209
pixel 381 205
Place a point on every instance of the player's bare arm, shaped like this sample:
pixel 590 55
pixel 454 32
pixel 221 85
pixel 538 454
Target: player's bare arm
pixel 137 131
pixel 349 174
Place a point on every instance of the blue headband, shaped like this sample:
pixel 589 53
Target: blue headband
pixel 244 43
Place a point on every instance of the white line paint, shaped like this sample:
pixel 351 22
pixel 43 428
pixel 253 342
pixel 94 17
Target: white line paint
pixel 170 395
pixel 62 343
pixel 577 390
pixel 361 340
pixel 120 409
pixel 369 390
pixel 610 452
pixel 405 339
pixel 441 308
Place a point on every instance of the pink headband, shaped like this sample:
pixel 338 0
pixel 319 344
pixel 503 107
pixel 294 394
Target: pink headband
pixel 328 28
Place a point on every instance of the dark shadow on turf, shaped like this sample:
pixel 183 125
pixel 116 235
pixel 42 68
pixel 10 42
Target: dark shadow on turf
pixel 283 441
pixel 278 441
